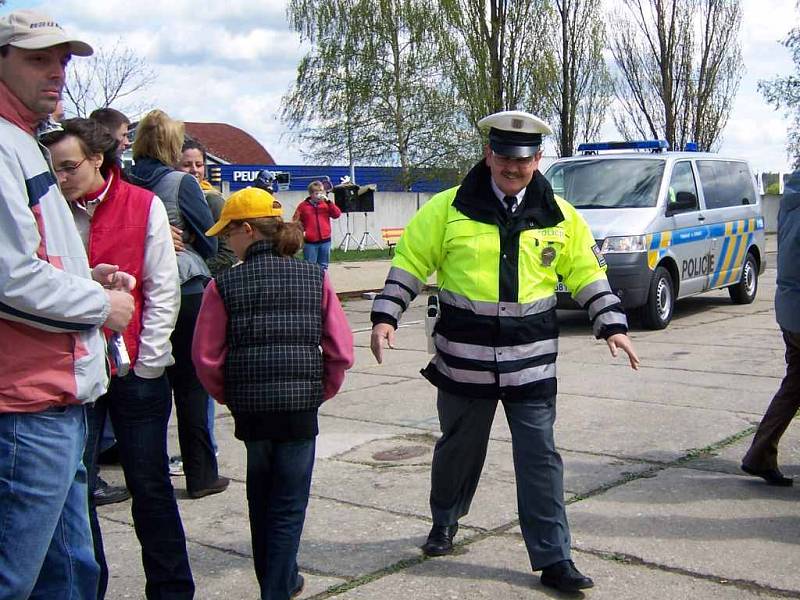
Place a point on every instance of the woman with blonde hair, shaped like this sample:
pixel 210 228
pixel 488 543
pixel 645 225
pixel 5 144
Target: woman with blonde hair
pixel 157 146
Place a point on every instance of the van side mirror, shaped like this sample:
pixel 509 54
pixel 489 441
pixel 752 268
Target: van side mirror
pixel 683 202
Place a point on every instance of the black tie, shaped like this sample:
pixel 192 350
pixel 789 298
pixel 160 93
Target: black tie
pixel 510 201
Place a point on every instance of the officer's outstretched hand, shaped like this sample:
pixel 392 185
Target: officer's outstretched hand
pixel 380 332
pixel 616 342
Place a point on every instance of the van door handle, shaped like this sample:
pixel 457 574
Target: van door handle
pixel 701 218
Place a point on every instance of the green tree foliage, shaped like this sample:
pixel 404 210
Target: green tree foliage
pixel 497 54
pixel 784 92
pixel 680 65
pixel 371 87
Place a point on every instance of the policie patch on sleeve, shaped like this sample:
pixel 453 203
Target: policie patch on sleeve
pixel 601 260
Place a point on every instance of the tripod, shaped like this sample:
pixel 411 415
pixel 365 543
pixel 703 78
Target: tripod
pixel 348 237
pixel 366 237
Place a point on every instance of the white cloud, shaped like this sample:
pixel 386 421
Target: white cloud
pixel 232 60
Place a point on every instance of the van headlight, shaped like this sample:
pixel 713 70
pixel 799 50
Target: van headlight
pixel 627 243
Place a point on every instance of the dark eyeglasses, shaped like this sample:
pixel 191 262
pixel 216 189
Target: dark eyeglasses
pixel 70 169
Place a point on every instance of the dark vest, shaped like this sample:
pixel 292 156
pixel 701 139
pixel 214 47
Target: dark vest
pixel 274 307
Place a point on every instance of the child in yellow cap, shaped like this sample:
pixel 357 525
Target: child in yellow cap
pixel 272 343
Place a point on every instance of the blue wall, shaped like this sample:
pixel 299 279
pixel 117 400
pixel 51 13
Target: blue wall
pixel 386 178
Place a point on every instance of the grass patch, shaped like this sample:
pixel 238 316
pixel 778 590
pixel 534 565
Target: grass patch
pixel 338 255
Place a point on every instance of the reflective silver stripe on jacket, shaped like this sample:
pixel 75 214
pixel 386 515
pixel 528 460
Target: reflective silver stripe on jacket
pixel 608 318
pixel 499 354
pixel 392 309
pixel 393 289
pixel 594 288
pixel 398 291
pixel 601 303
pixel 406 278
pixel 529 375
pixel 495 309
pixel 462 375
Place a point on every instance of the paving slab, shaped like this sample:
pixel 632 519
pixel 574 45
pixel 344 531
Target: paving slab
pixel 498 568
pixel 729 458
pixel 711 524
pixel 635 430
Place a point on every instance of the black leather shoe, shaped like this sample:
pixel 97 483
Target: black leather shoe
pixel 564 577
pixel 220 485
pixel 440 540
pixel 109 494
pixel 298 588
pixel 771 476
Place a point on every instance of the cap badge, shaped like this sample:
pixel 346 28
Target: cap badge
pixel 517 123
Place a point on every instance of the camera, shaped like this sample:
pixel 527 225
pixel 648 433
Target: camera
pixel 119 354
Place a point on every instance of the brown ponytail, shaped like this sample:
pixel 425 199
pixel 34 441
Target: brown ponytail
pixel 286 238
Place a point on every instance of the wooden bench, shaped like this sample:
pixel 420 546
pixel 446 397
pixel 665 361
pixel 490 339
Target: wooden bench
pixel 391 235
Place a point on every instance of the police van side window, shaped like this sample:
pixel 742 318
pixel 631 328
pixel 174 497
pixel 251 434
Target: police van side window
pixel 725 183
pixel 682 189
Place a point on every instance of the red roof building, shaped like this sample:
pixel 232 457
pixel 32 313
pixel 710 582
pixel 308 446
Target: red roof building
pixel 229 144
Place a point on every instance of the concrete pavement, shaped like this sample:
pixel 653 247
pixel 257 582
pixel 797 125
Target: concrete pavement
pixel 657 505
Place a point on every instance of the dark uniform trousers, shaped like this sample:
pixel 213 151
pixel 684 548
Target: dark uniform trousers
pixel 458 460
pixel 763 453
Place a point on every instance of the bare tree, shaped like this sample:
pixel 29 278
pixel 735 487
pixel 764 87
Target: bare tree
pixel 666 87
pixel 580 97
pixel 109 76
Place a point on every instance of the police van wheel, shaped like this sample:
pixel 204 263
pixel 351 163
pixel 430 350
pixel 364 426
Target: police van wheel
pixel 657 313
pixel 744 292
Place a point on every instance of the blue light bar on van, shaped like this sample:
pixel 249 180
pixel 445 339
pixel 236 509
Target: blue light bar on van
pixel 652 145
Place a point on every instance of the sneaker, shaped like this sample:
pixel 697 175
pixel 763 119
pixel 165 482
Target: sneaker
pixel 109 494
pixel 175 466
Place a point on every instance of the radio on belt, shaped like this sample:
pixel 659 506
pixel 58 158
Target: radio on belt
pixel 431 316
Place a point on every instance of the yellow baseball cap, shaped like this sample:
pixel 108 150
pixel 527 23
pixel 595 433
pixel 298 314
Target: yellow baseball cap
pixel 249 203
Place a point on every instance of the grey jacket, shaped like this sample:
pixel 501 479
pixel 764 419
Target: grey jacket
pixel 787 295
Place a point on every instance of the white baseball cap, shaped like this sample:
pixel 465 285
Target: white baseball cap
pixel 33 30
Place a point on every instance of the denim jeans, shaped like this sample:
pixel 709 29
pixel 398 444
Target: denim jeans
pixel 139 409
pixel 45 542
pixel 278 484
pixel 319 252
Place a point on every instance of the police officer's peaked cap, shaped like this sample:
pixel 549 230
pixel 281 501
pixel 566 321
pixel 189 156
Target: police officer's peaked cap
pixel 514 132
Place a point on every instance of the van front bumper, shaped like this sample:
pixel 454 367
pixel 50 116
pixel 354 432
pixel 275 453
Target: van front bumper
pixel 629 277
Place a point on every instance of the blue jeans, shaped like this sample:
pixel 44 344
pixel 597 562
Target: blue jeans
pixel 45 541
pixel 278 484
pixel 139 409
pixel 319 253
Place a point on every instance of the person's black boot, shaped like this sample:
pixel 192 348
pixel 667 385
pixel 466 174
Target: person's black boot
pixel 440 540
pixel 564 577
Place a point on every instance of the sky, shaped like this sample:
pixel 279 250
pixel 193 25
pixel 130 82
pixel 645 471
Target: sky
pixel 231 61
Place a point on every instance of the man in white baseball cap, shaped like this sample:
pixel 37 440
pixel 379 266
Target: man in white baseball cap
pixel 52 355
pixel 499 243
pixel 33 30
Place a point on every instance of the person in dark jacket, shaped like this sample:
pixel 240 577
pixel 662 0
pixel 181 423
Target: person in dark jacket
pixel 761 459
pixel 315 214
pixel 272 342
pixel 157 146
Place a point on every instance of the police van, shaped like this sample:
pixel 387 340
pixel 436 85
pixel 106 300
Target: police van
pixel 669 224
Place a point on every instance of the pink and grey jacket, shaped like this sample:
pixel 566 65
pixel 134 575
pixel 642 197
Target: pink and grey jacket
pixel 51 348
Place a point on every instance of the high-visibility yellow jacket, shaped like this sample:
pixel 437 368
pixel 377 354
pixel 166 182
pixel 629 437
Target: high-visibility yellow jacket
pixel 497 336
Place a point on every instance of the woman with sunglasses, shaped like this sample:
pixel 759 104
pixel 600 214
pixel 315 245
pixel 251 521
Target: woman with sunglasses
pixel 126 225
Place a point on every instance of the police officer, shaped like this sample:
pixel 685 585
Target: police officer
pixel 499 244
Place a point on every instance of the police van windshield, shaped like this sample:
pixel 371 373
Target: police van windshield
pixel 607 183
